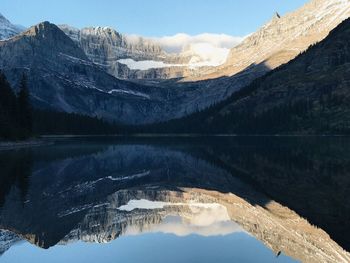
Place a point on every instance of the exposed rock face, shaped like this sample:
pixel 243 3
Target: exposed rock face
pixel 319 76
pixel 8 30
pixel 283 38
pixel 61 77
pixel 104 44
pixel 106 47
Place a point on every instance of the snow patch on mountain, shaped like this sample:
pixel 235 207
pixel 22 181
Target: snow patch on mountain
pixel 145 64
pixel 145 53
pixel 201 55
pixel 129 92
pixel 204 50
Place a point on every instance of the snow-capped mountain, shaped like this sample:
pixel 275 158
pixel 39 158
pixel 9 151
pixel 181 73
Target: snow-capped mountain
pixel 8 30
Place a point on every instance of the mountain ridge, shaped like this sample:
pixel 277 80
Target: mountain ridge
pixel 282 39
pixel 307 95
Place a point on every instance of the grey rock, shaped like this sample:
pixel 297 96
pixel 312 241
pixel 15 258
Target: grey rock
pixel 7 29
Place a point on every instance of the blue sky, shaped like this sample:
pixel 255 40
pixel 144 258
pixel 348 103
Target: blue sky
pixel 151 17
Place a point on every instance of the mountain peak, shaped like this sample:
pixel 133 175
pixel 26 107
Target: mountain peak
pixel 47 39
pixel 41 28
pixel 8 30
pixel 48 31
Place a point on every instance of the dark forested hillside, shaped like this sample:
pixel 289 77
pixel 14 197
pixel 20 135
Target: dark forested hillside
pixel 308 95
pixel 18 121
pixel 61 123
pixel 15 110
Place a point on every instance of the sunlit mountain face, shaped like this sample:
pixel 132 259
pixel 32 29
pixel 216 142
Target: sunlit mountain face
pixel 112 196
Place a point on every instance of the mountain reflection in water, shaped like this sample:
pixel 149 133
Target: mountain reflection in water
pixel 288 193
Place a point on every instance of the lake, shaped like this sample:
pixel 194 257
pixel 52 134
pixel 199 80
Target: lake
pixel 189 199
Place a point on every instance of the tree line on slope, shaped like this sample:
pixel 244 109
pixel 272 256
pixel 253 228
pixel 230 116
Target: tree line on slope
pixel 16 120
pixel 20 121
pixel 302 115
pixel 71 123
pixel 320 110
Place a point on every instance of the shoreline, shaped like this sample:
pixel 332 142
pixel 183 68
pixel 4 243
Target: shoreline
pixel 13 145
pixel 46 140
pixel 185 135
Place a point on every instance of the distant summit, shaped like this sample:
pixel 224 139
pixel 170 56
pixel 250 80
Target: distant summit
pixel 7 29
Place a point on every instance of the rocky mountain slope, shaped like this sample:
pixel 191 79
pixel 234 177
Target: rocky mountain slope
pixel 61 77
pixel 276 43
pixel 283 38
pixel 8 30
pixel 310 94
pixel 105 46
pixel 135 57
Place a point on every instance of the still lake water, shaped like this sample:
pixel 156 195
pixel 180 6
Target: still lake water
pixel 234 199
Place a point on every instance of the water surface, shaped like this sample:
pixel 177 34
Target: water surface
pixel 239 199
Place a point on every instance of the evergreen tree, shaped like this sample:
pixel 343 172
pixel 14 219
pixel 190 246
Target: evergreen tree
pixel 25 117
pixel 8 110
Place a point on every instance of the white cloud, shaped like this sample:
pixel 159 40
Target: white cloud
pixel 203 50
pixel 181 41
pixel 206 54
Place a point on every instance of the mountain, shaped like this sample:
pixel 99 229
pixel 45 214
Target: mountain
pixel 283 38
pixel 277 42
pixel 8 30
pixel 72 71
pixel 61 77
pixel 310 94
pixel 135 57
pixel 105 46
